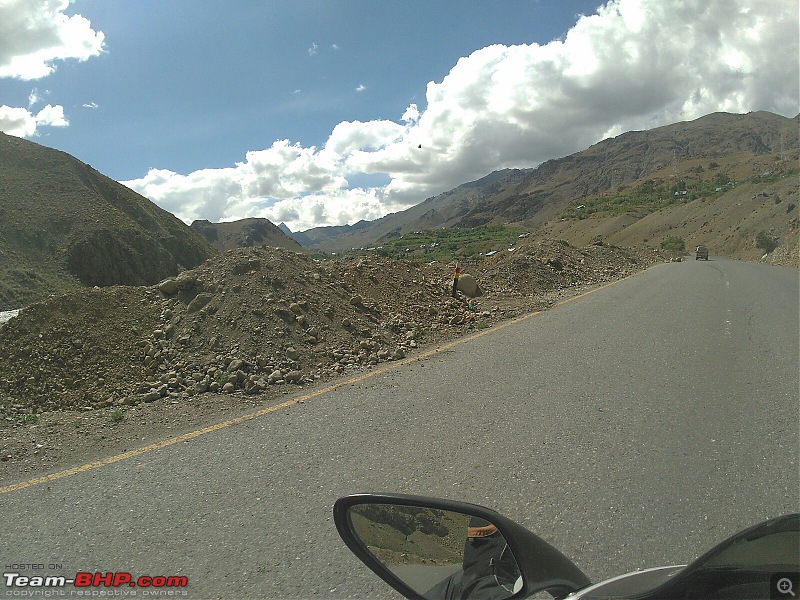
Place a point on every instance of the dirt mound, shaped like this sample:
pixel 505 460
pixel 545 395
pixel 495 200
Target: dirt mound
pixel 98 371
pixel 250 319
pixel 546 265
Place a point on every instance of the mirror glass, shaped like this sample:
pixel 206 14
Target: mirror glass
pixel 439 554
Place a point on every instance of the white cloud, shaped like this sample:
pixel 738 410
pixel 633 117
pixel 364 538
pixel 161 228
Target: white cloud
pixel 52 116
pixel 361 87
pixel 17 121
pixel 204 194
pixel 34 34
pixel 411 115
pixel 340 206
pixel 287 171
pixel 91 105
pixel 312 49
pixel 23 123
pixel 34 98
pixel 350 137
pixel 635 64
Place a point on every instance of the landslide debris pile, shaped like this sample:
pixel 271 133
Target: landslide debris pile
pixel 545 265
pixel 251 319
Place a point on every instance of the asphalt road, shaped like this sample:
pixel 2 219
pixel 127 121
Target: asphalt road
pixel 632 427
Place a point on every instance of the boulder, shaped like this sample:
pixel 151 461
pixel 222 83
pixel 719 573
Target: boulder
pixel 468 286
pixel 168 287
pixel 198 302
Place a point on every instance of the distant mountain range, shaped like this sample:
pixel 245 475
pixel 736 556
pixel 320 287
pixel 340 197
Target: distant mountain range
pixel 741 146
pixel 722 180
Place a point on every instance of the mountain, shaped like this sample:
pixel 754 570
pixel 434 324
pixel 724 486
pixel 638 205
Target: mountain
pixel 697 152
pixel 724 180
pixel 245 233
pixel 313 238
pixel 444 210
pixel 63 225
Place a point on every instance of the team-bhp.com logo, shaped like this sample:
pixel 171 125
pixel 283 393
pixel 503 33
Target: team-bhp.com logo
pixel 95 580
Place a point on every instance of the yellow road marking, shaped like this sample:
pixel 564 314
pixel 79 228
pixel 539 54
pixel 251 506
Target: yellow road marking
pixel 265 411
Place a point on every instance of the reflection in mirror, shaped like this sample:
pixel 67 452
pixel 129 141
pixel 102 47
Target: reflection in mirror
pixel 439 554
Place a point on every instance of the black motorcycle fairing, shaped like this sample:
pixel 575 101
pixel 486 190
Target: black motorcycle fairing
pixel 741 566
pixel 542 567
pixel 746 565
pixel 630 585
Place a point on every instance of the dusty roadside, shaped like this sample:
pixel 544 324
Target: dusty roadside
pixel 101 372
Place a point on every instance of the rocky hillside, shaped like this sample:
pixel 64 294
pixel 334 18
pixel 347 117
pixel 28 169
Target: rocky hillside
pixel 743 147
pixel 64 225
pixel 252 319
pixel 730 222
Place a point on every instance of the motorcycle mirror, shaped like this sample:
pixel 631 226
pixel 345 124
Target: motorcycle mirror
pixel 438 553
pixel 431 549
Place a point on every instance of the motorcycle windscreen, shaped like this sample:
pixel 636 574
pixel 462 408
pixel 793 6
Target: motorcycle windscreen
pixel 762 561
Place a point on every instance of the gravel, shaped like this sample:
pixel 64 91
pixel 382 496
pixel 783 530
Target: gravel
pixel 103 370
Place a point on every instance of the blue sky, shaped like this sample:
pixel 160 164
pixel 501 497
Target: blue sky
pixel 195 84
pixel 312 112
